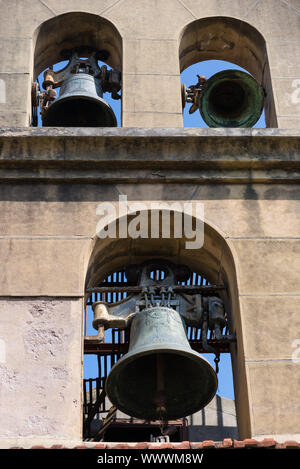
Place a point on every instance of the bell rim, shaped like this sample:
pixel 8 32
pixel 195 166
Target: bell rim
pixel 79 95
pixel 250 122
pixel 195 356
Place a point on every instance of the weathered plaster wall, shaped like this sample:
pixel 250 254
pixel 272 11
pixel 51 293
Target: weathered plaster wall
pixel 40 373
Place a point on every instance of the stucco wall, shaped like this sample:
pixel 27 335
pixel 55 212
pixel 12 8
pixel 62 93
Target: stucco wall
pixel 40 369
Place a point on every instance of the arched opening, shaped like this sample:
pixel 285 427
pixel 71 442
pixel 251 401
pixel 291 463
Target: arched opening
pixel 72 43
pixel 212 264
pixel 232 41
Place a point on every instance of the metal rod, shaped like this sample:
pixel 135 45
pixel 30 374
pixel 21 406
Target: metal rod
pixel 85 397
pixel 106 349
pixel 97 388
pixel 112 357
pixel 138 288
pixel 99 367
pixel 105 366
pixel 91 391
pixel 95 409
pixel 120 340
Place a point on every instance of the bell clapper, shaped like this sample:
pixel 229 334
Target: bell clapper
pixel 217 360
pixel 160 399
pixel 162 421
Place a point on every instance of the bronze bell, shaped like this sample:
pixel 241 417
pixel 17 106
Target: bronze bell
pixel 160 376
pixel 80 104
pixel 231 98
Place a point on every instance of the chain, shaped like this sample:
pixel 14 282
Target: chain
pixel 217 360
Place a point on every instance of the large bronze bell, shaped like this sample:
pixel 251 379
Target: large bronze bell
pixel 160 376
pixel 80 104
pixel 231 98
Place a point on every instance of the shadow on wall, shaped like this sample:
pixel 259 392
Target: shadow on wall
pixel 215 422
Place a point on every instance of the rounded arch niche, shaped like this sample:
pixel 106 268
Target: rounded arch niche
pixel 231 40
pixel 214 261
pixel 75 29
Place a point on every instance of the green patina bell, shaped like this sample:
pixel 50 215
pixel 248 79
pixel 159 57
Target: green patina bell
pixel 231 98
pixel 160 375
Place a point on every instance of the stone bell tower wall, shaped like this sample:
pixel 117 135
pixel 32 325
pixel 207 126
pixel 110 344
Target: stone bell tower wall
pixel 53 179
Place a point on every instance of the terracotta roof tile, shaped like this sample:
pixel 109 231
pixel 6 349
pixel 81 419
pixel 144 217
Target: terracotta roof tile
pixel 142 445
pixel 238 444
pixel 291 445
pixel 117 446
pixel 268 443
pixel 160 445
pixel 182 445
pixel 227 443
pixel 250 443
pixel 206 444
pixel 196 445
pixel 99 446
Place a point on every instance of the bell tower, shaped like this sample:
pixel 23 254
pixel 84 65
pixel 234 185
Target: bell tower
pixel 84 201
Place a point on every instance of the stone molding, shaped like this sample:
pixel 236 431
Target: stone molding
pixel 150 155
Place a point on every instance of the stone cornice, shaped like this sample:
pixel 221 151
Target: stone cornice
pixel 150 155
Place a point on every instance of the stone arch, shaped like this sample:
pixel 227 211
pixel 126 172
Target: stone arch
pixel 232 40
pixel 74 29
pixel 216 261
